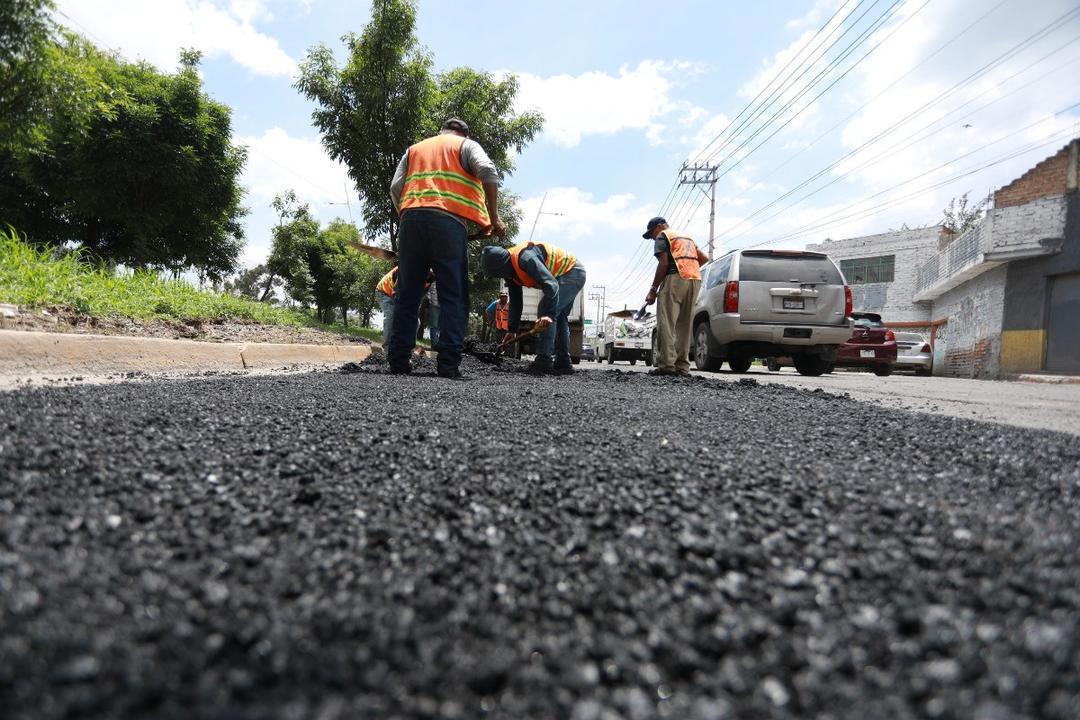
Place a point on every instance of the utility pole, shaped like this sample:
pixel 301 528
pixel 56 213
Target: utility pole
pixel 703 174
pixel 600 296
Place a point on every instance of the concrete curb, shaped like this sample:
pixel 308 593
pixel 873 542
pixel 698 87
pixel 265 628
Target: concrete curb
pixel 35 353
pixel 1050 379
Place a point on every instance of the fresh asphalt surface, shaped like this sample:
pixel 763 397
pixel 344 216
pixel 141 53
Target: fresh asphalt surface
pixel 608 545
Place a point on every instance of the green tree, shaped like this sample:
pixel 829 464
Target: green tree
pixel 295 232
pixel 254 283
pixel 371 109
pixel 385 98
pixel 135 165
pixel 959 216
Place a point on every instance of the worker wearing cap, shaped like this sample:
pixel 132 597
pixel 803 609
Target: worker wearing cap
pixel 441 184
pixel 675 285
pixel 559 276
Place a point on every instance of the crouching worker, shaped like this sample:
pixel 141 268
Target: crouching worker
pixel 559 276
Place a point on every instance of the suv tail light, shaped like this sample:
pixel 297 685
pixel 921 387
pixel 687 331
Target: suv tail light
pixel 926 348
pixel 731 297
pixel 849 304
pixel 890 336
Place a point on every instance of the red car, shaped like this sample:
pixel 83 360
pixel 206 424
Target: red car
pixel 871 345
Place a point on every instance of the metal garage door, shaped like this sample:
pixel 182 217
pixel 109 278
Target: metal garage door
pixel 1063 332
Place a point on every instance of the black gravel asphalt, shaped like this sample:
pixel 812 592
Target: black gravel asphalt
pixel 609 545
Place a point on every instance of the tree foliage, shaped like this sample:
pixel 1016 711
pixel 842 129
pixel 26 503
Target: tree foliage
pixel 959 216
pixel 135 165
pixel 318 266
pixel 385 98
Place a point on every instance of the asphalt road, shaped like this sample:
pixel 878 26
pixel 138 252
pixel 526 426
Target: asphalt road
pixel 603 546
pixel 1042 405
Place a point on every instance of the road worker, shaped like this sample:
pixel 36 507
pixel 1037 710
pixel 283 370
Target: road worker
pixel 675 284
pixel 441 183
pixel 500 315
pixel 560 276
pixel 385 291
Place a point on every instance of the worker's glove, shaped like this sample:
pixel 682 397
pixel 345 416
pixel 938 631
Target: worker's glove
pixel 545 322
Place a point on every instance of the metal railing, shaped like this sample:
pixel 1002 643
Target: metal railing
pixel 962 253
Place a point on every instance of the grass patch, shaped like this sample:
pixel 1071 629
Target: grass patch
pixel 34 277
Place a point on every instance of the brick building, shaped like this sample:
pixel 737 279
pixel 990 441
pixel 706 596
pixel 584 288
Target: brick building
pixel 1003 297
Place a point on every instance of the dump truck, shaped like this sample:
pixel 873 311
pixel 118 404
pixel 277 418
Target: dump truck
pixel 627 338
pixel 530 302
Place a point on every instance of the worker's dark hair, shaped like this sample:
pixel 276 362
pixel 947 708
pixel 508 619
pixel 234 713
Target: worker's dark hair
pixel 457 125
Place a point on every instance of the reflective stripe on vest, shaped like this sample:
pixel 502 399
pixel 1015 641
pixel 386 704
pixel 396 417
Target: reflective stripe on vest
pixel 685 253
pixel 436 179
pixel 558 262
pixel 502 316
pixel 386 285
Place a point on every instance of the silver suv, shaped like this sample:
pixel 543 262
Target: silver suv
pixel 765 303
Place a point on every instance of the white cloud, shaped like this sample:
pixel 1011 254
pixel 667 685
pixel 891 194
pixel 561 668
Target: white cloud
pixel 278 162
pixel 156 31
pixel 597 103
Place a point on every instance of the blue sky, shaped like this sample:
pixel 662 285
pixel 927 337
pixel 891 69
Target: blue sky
pixel 632 89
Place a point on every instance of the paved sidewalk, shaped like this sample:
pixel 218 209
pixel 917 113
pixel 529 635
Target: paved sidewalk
pixel 43 355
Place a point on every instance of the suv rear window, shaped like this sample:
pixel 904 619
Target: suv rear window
pixel 867 322
pixel 766 267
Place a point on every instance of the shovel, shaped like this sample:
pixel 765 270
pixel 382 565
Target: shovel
pixel 640 314
pixel 493 357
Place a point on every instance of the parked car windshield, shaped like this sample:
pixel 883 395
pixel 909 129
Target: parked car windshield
pixel 765 267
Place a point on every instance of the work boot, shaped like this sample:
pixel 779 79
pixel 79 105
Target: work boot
pixel 661 371
pixel 540 366
pixel 565 368
pixel 450 373
pixel 400 368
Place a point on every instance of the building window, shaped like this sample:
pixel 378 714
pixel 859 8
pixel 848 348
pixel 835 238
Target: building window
pixel 860 271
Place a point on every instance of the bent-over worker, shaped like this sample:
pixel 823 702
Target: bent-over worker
pixel 559 276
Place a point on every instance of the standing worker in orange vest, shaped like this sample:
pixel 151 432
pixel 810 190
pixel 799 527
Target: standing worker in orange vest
pixel 560 276
pixel 440 183
pixel 675 285
pixel 497 314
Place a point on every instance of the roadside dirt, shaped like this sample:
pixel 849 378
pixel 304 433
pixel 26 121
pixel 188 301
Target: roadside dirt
pixel 68 320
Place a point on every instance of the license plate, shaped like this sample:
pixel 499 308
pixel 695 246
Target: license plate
pixel 867 353
pixel 794 303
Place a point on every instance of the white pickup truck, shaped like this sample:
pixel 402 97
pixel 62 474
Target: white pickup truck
pixel 530 299
pixel 625 338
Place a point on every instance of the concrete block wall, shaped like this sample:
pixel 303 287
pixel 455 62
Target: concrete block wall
pixel 1028 227
pixel 892 300
pixel 972 333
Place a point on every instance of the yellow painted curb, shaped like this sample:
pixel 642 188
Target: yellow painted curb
pixel 42 352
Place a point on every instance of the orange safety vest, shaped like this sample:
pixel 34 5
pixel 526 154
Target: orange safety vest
pixel 685 253
pixel 502 316
pixel 386 285
pixel 558 262
pixel 436 179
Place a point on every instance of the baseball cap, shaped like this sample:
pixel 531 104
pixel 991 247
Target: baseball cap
pixel 652 226
pixel 457 125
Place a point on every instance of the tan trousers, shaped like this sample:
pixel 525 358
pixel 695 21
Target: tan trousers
pixel 674 322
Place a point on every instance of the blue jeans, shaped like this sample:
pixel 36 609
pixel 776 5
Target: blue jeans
pixel 430 240
pixel 386 303
pixel 558 335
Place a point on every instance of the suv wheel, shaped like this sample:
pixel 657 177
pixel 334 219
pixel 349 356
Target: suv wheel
pixel 739 363
pixel 702 358
pixel 812 365
pixel 773 364
pixel 883 370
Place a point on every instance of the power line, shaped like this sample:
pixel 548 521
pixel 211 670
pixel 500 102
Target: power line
pixel 1019 47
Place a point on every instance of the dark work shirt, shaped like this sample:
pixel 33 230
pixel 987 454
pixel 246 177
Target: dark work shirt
pixel 532 264
pixel 662 247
